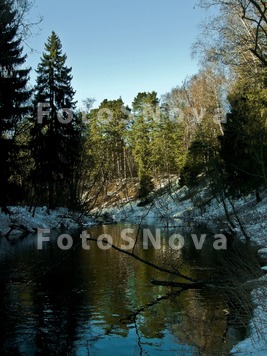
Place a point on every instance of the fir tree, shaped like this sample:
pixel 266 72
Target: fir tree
pixel 57 132
pixel 14 97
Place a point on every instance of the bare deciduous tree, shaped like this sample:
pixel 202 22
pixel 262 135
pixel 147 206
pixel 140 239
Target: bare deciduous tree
pixel 237 35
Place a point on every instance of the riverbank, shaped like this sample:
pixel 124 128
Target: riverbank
pixel 20 221
pixel 180 207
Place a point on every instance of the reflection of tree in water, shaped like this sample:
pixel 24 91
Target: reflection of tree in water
pixel 193 319
pixel 200 318
pixel 78 298
pixel 202 323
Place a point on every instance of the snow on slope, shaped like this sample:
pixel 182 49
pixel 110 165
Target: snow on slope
pixel 172 209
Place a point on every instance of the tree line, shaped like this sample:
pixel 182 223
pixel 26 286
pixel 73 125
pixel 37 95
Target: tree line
pixel 212 126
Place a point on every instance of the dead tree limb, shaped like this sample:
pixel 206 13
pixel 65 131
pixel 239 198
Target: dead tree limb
pixel 195 285
pixel 148 263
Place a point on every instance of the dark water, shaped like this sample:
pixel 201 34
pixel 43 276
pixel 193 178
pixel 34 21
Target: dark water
pixel 95 302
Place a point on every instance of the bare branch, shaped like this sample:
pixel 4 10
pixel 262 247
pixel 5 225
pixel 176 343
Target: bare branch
pixel 148 263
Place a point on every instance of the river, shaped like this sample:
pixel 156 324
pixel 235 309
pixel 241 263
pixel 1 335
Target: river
pixel 95 302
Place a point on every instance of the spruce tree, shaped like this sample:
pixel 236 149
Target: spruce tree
pixel 56 135
pixel 14 97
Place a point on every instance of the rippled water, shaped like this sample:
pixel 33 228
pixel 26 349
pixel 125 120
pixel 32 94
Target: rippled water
pixel 95 302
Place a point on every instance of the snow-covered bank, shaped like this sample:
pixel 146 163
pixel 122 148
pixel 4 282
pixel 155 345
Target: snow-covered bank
pixel 21 221
pixel 256 343
pixel 181 208
pixel 162 211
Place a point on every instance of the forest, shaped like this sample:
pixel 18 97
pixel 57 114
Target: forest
pixel 212 126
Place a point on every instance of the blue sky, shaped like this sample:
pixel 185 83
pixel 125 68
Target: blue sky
pixel 120 47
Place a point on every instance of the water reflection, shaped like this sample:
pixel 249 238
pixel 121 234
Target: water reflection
pixel 79 302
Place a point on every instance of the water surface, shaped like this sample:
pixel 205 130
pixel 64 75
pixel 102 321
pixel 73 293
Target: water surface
pixel 95 302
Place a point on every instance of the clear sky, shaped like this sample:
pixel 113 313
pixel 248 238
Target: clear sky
pixel 120 47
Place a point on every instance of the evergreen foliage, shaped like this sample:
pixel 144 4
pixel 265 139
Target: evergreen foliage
pixel 244 143
pixel 14 105
pixel 56 133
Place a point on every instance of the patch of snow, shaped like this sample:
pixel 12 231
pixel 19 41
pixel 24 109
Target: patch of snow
pixel 263 252
pixel 22 221
pixel 256 343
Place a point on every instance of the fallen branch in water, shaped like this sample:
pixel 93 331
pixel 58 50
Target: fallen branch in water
pixel 148 263
pixel 194 285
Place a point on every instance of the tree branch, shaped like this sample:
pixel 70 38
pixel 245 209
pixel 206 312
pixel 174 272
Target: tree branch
pixel 148 263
